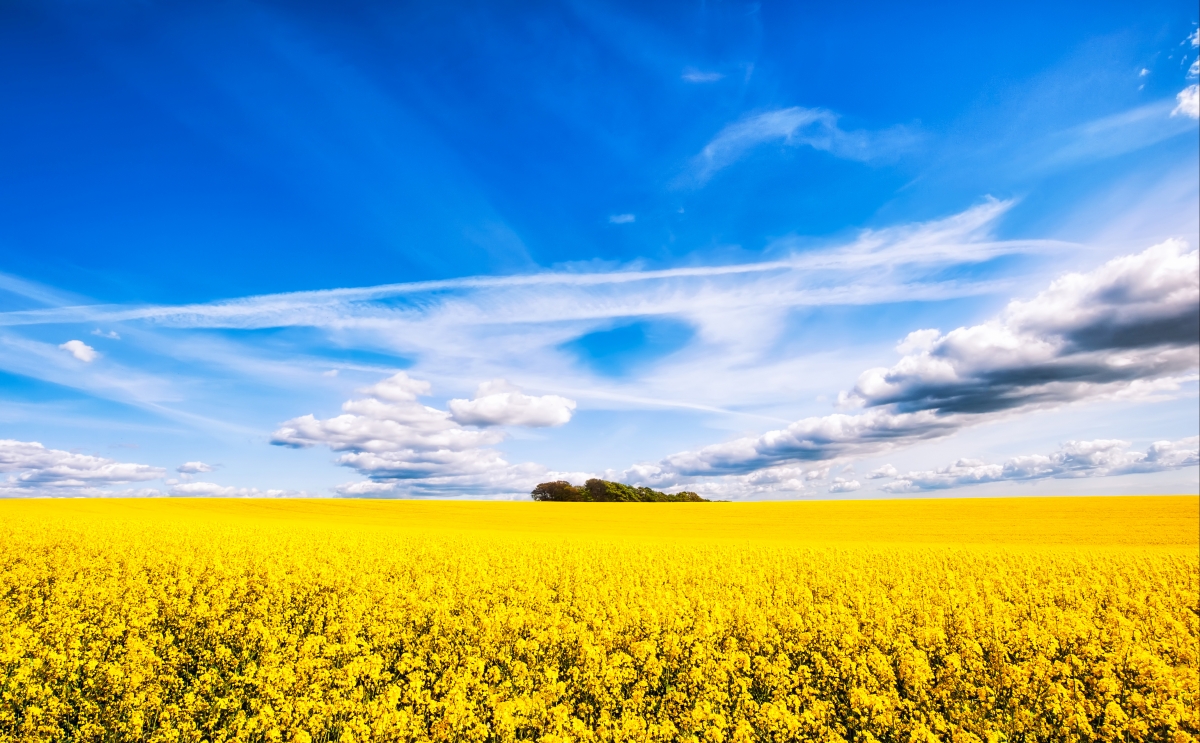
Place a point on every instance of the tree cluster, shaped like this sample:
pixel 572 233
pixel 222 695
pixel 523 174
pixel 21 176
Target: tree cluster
pixel 605 491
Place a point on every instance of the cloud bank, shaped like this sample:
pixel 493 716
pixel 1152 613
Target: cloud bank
pixel 38 470
pixel 1130 328
pixel 213 490
pixel 1099 458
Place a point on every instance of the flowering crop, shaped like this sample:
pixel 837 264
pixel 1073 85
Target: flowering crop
pixel 322 621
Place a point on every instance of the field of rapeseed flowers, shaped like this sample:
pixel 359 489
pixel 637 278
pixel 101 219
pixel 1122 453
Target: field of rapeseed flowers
pixel 1041 619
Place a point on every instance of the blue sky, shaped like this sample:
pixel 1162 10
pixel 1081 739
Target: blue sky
pixel 757 250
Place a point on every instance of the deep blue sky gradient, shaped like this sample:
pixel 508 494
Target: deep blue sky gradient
pixel 144 141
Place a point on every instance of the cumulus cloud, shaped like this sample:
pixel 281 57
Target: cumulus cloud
pixel 1075 459
pixel 404 446
pixel 796 126
pixel 886 470
pixel 497 403
pixel 1129 328
pixel 1134 319
pixel 399 388
pixel 1187 102
pixel 842 485
pixel 34 467
pixel 110 334
pixel 192 468
pixel 80 350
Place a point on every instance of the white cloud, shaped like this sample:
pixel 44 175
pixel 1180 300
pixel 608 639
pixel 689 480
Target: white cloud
pixel 813 127
pixel 465 330
pixel 840 485
pixel 421 314
pixel 37 468
pixel 1130 328
pixel 692 75
pixel 1188 99
pixel 1188 102
pixel 80 350
pixel 514 326
pixel 1109 136
pixel 1131 320
pixel 8 490
pixel 498 403
pixel 399 388
pixel 405 447
pixel 111 334
pixel 213 490
pixel 886 470
pixel 192 468
pixel 330 373
pixel 622 219
pixel 1075 459
pixel 816 439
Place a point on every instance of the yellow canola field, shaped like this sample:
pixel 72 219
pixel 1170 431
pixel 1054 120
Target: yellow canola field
pixel 955 620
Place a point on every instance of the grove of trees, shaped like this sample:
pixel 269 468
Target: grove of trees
pixel 605 491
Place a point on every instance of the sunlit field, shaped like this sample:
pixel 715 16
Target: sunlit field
pixel 318 620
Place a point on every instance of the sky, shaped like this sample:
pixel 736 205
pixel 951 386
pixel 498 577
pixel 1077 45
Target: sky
pixel 751 250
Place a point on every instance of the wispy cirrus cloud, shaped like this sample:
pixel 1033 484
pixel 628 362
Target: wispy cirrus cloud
pixel 476 328
pixel 693 75
pixel 797 126
pixel 877 266
pixel 895 253
pixel 1109 136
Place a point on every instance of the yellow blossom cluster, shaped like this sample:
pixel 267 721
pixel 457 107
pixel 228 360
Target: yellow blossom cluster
pixel 177 628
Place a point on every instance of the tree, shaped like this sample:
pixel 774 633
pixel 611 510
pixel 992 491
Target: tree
pixel 559 490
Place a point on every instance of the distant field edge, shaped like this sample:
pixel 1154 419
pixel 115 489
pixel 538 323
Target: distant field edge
pixel 1138 520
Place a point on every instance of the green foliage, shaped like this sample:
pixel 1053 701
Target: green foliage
pixel 605 491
